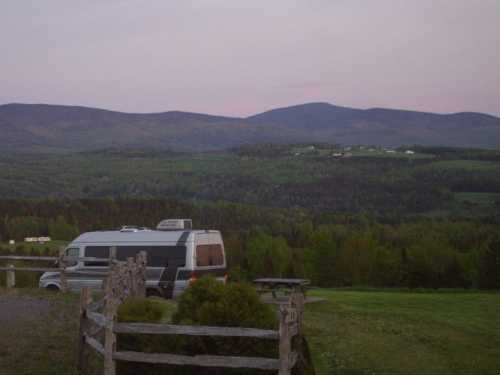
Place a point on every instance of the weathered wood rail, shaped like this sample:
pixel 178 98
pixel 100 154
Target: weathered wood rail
pixel 62 263
pixel 98 331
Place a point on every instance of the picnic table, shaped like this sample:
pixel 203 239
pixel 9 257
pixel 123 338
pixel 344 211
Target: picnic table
pixel 273 285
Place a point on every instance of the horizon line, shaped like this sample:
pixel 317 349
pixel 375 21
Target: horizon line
pixel 248 116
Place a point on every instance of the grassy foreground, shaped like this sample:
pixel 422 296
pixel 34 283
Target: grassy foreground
pixel 352 332
pixel 405 333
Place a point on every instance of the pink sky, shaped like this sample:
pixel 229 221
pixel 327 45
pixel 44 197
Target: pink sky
pixel 242 57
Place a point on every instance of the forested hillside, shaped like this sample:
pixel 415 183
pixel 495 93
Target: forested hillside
pixel 321 178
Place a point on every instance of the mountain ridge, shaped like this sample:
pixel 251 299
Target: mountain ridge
pixel 57 128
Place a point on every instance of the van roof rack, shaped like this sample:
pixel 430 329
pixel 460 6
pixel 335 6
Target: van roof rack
pixel 175 224
pixel 131 229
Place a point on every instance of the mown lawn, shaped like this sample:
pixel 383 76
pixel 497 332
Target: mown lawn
pixel 373 332
pixel 352 332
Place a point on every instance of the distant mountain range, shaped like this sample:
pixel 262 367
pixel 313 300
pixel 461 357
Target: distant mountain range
pixel 34 128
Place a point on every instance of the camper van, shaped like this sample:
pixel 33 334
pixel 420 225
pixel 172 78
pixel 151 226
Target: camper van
pixel 176 256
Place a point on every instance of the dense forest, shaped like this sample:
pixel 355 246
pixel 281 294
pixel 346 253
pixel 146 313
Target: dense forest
pixel 341 216
pixel 320 178
pixel 332 249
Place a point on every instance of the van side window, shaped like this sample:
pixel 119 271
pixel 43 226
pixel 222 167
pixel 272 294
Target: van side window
pixel 209 255
pixel 72 252
pixel 96 252
pixel 157 256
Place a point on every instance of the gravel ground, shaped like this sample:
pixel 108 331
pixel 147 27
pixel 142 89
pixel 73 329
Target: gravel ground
pixel 14 308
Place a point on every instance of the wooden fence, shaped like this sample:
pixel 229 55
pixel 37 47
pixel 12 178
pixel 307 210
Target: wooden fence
pixel 62 263
pixel 99 327
pixel 10 269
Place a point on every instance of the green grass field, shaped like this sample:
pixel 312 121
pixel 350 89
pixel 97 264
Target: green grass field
pixel 405 333
pixel 352 332
pixel 465 165
pixel 480 199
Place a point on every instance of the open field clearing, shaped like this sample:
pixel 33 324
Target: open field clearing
pixel 405 333
pixel 353 332
pixel 466 165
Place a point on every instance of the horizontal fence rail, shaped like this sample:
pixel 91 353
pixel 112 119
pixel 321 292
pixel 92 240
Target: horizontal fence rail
pixel 63 262
pixel 172 329
pixel 22 257
pixel 29 269
pixel 199 360
pixel 67 259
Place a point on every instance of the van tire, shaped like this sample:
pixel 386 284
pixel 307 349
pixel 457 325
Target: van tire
pixel 152 293
pixel 52 288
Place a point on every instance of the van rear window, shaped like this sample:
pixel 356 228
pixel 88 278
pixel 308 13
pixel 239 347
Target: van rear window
pixel 209 255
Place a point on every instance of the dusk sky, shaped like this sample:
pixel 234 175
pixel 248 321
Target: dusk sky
pixel 236 57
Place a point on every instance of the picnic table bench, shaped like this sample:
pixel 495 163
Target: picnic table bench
pixel 273 285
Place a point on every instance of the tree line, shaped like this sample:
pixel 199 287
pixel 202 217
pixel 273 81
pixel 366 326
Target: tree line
pixel 329 248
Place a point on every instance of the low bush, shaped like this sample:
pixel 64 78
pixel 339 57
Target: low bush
pixel 209 302
pixel 205 302
pixel 136 309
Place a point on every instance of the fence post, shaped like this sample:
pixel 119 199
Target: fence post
pixel 85 300
pixel 62 270
pixel 10 277
pixel 140 279
pixel 297 300
pixel 112 256
pixel 130 280
pixel 285 344
pixel 110 305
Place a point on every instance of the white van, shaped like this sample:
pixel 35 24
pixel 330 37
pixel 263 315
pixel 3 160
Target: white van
pixel 176 255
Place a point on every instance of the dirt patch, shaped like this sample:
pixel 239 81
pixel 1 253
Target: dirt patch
pixel 14 308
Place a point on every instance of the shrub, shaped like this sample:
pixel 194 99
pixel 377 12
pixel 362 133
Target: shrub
pixel 136 309
pixel 209 302
pixel 205 302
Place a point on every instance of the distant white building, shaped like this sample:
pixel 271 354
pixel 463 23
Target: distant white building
pixel 390 151
pixel 37 239
pixel 12 242
pixel 409 152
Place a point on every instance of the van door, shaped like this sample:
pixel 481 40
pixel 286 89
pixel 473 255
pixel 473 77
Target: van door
pixel 98 268
pixel 73 253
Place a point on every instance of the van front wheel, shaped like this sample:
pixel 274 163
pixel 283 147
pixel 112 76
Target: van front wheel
pixel 52 288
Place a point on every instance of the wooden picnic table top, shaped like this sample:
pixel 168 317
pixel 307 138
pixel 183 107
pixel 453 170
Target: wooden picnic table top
pixel 279 281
